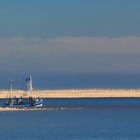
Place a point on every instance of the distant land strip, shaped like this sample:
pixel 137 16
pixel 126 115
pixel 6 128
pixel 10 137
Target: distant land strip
pixel 72 93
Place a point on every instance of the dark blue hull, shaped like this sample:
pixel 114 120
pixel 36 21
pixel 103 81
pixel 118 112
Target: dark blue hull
pixel 31 103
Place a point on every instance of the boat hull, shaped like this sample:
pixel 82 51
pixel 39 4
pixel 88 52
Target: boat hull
pixel 29 103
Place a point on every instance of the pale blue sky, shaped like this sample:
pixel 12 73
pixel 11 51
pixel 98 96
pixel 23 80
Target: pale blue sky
pixel 48 18
pixel 69 36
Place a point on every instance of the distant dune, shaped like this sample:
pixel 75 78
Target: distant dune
pixel 73 93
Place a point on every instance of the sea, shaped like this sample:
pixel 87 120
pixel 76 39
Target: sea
pixel 72 81
pixel 75 119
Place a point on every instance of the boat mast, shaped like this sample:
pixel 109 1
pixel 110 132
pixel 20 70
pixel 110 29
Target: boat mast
pixel 29 83
pixel 11 84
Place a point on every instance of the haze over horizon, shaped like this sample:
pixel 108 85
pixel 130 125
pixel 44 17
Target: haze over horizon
pixel 69 37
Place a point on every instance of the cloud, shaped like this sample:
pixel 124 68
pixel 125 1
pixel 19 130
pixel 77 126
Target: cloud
pixel 74 44
pixel 99 45
pixel 70 54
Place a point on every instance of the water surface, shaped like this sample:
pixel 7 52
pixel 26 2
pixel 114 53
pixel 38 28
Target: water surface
pixel 109 118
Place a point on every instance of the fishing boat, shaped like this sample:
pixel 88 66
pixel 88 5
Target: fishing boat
pixel 23 102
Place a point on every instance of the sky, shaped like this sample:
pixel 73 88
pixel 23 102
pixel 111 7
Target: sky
pixel 69 37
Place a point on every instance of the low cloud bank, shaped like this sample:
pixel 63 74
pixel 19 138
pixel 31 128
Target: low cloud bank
pixel 70 54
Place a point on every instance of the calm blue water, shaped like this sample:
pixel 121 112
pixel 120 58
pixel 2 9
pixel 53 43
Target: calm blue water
pixel 108 118
pixel 65 81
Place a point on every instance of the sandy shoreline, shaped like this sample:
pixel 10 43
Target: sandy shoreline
pixel 19 109
pixel 73 93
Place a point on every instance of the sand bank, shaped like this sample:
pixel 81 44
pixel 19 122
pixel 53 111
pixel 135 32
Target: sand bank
pixel 20 109
pixel 75 93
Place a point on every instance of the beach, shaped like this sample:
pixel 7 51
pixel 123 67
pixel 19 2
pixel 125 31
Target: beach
pixel 18 109
pixel 69 93
pixel 72 93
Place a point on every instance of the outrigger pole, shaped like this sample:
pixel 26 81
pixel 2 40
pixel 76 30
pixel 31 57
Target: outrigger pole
pixel 29 83
pixel 11 85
